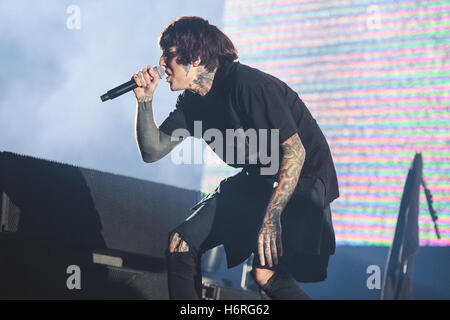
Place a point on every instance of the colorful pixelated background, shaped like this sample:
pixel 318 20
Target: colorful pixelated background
pixel 375 75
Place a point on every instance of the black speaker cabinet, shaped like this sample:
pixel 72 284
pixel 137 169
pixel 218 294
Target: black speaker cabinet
pixel 114 228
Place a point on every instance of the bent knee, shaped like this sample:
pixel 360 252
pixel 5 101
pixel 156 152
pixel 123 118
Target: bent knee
pixel 177 244
pixel 261 276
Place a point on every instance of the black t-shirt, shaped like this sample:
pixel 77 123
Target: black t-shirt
pixel 247 98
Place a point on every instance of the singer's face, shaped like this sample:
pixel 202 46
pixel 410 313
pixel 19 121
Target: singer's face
pixel 178 76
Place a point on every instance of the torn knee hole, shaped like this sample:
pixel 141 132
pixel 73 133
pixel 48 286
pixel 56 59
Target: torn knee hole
pixel 261 276
pixel 177 244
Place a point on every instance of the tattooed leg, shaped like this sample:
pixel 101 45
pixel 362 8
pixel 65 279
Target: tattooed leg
pixel 184 275
pixel 177 244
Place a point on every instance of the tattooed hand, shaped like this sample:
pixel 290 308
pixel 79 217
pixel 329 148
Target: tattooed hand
pixel 269 240
pixel 147 81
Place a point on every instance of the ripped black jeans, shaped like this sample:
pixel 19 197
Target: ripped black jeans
pixel 232 216
pixel 185 279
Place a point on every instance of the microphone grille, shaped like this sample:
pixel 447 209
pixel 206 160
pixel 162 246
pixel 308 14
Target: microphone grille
pixel 160 71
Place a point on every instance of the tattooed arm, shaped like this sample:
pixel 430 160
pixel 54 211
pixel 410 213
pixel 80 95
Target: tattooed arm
pixel 153 144
pixel 269 240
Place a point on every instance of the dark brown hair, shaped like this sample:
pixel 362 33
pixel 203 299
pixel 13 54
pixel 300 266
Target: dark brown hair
pixel 195 38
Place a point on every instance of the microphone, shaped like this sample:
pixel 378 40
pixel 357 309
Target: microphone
pixel 127 86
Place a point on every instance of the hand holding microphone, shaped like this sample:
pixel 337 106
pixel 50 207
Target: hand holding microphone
pixel 144 84
pixel 147 81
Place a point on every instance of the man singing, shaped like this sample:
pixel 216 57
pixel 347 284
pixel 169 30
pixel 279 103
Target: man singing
pixel 281 216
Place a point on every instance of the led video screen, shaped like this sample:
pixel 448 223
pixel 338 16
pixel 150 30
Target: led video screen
pixel 375 75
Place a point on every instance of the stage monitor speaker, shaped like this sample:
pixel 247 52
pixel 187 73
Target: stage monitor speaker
pixel 88 208
pixel 54 215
